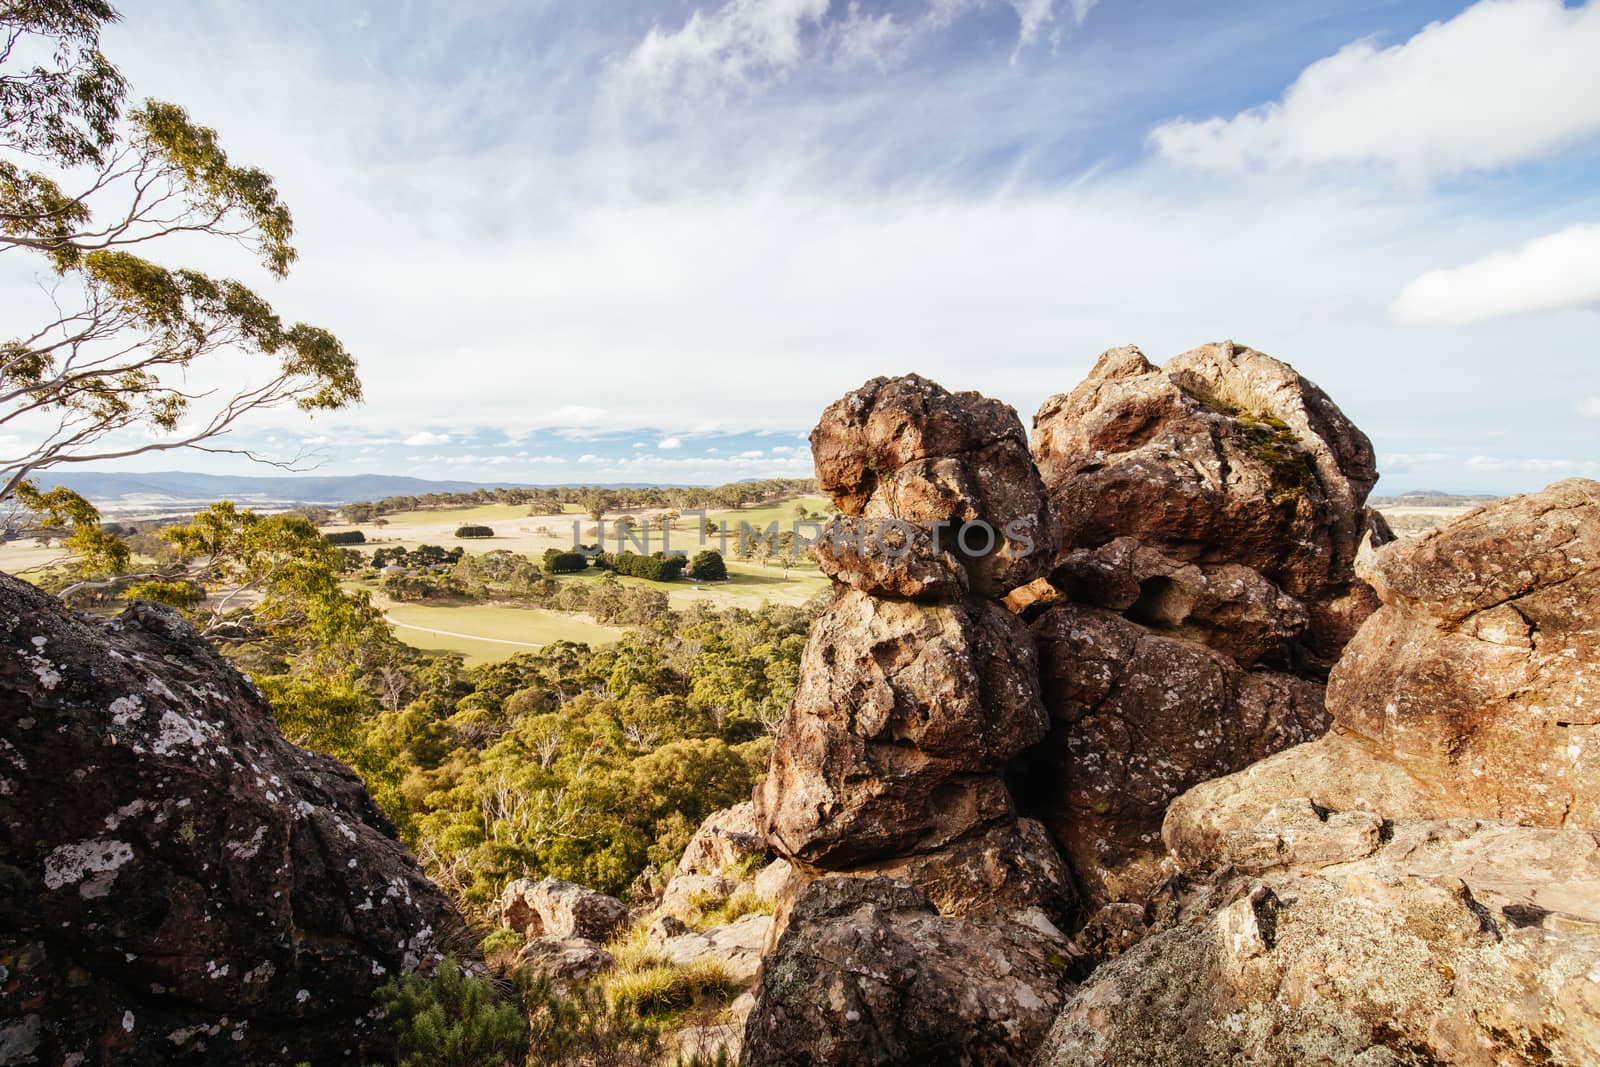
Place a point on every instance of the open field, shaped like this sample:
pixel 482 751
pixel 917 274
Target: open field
pixel 1410 520
pixel 487 632
pixel 490 632
pixel 19 555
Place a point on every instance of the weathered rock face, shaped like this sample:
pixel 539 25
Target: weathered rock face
pixel 1481 672
pixel 1137 718
pixel 180 883
pixel 1473 691
pixel 1223 457
pixel 905 449
pixel 867 972
pixel 1456 941
pixel 1213 511
pixel 555 909
pixel 916 692
pixel 904 715
pixel 1360 902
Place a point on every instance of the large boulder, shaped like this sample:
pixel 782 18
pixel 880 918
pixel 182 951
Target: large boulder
pixel 1225 456
pixel 181 884
pixel 737 946
pixel 1473 691
pixel 867 972
pixel 1138 717
pixel 553 908
pixel 905 450
pixel 903 717
pixel 1481 672
pixel 1458 941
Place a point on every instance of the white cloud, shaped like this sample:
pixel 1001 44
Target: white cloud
pixel 1503 82
pixel 670 442
pixel 424 437
pixel 754 453
pixel 1559 270
pixel 723 50
pixel 1590 408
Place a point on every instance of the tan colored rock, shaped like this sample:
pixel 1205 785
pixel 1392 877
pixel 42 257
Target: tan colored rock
pixel 868 973
pixel 1223 456
pixel 725 840
pixel 1480 674
pixel 903 717
pixel 1229 820
pixel 1138 718
pixel 555 909
pixel 1459 942
pixel 1009 873
pixel 736 946
pixel 908 451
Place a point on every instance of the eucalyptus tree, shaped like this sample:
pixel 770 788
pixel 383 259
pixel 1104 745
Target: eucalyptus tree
pixel 93 188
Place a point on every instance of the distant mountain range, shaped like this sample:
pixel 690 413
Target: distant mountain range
pixel 161 492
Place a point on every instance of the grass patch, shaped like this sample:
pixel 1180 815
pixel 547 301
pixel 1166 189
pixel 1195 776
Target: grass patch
pixel 664 990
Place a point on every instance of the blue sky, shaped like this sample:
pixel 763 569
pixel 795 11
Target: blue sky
pixel 609 241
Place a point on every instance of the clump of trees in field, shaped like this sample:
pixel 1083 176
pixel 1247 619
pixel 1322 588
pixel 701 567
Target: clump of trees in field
pixel 474 531
pixel 558 562
pixel 657 567
pixel 345 537
pixel 708 566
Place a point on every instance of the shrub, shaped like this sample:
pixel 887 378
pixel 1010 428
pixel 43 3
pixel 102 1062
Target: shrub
pixel 557 562
pixel 709 566
pixel 451 1019
pixel 474 531
pixel 345 537
pixel 657 567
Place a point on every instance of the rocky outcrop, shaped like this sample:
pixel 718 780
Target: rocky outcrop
pixel 904 715
pixel 1213 511
pixel 1480 674
pixel 1421 885
pixel 1473 691
pixel 867 972
pixel 1223 459
pixel 1137 719
pixel 1460 941
pixel 556 909
pixel 180 883
pixel 951 471
pixel 917 690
